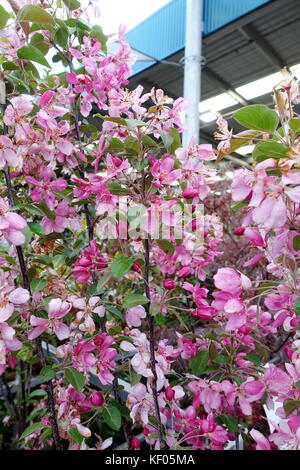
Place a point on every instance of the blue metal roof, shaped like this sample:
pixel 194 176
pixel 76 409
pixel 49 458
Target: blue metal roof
pixel 163 33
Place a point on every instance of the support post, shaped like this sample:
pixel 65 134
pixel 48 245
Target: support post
pixel 192 68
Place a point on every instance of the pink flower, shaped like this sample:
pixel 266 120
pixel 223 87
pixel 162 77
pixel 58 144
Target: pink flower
pixel 134 316
pixel 163 172
pixel 60 222
pixel 92 260
pixel 57 309
pixel 45 186
pixel 228 280
pixel 276 380
pixel 140 403
pixel 261 442
pixel 19 107
pixel 11 224
pixel 224 136
pixel 7 154
pixel 106 358
pixel 85 314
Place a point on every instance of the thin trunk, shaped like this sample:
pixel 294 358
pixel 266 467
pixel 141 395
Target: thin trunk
pixel 26 284
pixel 90 230
pixel 162 443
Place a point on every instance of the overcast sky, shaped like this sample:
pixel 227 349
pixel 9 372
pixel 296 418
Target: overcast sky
pixel 129 12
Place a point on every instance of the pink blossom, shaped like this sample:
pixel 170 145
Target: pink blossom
pixel 163 172
pixel 57 309
pixel 84 316
pixel 8 155
pixel 134 316
pixel 261 442
pixel 92 260
pixel 11 224
pixel 106 358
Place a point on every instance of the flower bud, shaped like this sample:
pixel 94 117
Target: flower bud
pixel 169 284
pixel 189 193
pixel 170 393
pixel 97 399
pixel 136 267
pixel 135 444
pixel 117 161
pixel 239 231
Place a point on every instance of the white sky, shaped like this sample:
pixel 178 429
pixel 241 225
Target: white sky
pixel 115 12
pixel 129 12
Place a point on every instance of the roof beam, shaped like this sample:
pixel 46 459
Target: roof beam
pixel 226 86
pixel 261 44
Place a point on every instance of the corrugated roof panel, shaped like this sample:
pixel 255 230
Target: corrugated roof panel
pixel 163 33
pixel 218 13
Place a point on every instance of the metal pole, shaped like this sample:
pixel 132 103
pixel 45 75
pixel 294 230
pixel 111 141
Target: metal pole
pixel 192 68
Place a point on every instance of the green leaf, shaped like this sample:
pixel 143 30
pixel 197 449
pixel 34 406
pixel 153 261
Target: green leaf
pixel 173 132
pixel 221 359
pixel 35 14
pixel 199 362
pixel 4 16
pixel 28 236
pixel 149 142
pixel 297 306
pixel 131 146
pixel 167 139
pixel 296 243
pixel 253 358
pixel 133 123
pixel 120 266
pixel 76 436
pixel 115 145
pixel 257 116
pixel 132 300
pixel 37 40
pixel 72 23
pixel 115 188
pixel 50 214
pixel 36 413
pixel 46 374
pixel 72 4
pixel 46 434
pixel 43 259
pixel 75 378
pixel 297 384
pixel 61 37
pixel 166 246
pixel 117 120
pixel 36 228
pixel 271 149
pixel 32 53
pixel 25 353
pixel 290 405
pixel 154 308
pixel 38 285
pixel 10 65
pixel 32 429
pixel 38 393
pixel 294 124
pixel 238 204
pixel 112 417
pixel 244 138
pixel 230 421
